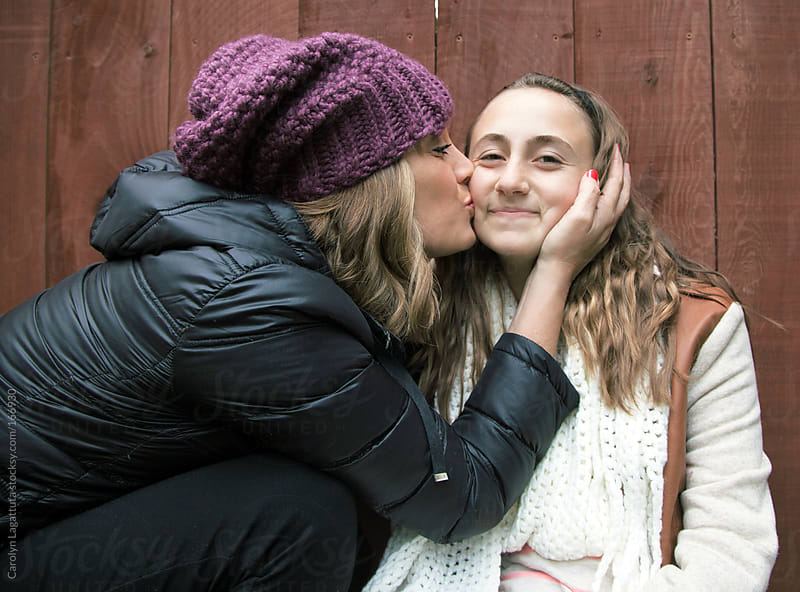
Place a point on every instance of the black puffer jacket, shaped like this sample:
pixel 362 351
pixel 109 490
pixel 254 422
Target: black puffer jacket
pixel 215 329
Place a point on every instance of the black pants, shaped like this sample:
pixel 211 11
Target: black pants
pixel 259 522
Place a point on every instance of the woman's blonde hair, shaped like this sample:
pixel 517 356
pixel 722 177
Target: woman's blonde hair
pixel 620 309
pixel 374 247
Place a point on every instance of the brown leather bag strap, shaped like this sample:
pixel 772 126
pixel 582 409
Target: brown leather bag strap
pixel 700 311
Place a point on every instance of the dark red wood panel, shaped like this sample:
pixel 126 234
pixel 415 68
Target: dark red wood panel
pixel 198 28
pixel 24 59
pixel 108 108
pixel 756 66
pixel 652 62
pixel 482 46
pixel 89 87
pixel 406 25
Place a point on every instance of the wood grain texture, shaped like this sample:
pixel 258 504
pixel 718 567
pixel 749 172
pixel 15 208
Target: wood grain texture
pixel 406 25
pixel 108 108
pixel 756 61
pixel 24 60
pixel 199 28
pixel 652 62
pixel 89 87
pixel 482 46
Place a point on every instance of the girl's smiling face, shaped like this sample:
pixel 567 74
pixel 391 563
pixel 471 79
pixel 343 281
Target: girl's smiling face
pixel 530 147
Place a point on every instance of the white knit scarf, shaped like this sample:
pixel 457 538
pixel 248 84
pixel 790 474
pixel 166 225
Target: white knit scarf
pixel 598 491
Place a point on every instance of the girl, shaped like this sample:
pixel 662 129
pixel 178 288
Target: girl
pixel 184 414
pixel 656 345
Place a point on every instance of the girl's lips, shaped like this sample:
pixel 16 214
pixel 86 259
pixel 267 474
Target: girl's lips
pixel 512 212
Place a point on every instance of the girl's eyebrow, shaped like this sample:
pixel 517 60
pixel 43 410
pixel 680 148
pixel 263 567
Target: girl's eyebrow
pixel 531 142
pixel 553 140
pixel 491 138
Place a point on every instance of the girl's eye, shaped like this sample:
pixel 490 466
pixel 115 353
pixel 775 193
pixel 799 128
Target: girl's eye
pixel 549 160
pixel 490 156
pixel 441 150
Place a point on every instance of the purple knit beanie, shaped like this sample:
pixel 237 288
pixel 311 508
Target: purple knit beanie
pixel 302 119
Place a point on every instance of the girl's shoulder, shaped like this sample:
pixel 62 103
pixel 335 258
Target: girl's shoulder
pixel 704 296
pixel 701 308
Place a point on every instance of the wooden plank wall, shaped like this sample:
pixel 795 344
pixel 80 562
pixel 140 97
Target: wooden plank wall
pixel 757 106
pixel 708 89
pixel 24 66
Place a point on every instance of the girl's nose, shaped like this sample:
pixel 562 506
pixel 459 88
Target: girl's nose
pixel 512 181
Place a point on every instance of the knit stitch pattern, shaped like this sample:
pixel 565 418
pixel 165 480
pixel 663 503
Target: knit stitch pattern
pixel 574 505
pixel 303 119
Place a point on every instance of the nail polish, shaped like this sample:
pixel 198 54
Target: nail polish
pixel 593 174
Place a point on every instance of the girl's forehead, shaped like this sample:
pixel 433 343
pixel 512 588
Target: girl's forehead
pixel 515 102
pixel 532 112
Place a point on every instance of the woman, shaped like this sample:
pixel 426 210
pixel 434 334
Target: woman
pixel 658 349
pixel 182 415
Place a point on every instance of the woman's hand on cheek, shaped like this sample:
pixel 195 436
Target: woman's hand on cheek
pixel 587 225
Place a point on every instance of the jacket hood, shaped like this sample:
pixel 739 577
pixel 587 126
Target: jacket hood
pixel 152 207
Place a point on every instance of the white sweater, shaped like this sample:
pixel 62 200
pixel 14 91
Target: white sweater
pixel 728 541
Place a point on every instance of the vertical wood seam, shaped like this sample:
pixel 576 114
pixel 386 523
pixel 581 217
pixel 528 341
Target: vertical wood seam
pixel 574 52
pixel 169 74
pixel 46 163
pixel 714 129
pixel 300 19
pixel 436 37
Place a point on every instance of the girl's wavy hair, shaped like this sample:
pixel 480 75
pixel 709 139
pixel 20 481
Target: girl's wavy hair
pixel 620 309
pixel 373 244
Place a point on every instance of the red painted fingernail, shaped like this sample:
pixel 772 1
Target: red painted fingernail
pixel 593 174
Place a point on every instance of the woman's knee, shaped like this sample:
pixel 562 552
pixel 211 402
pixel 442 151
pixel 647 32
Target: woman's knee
pixel 300 525
pixel 257 522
